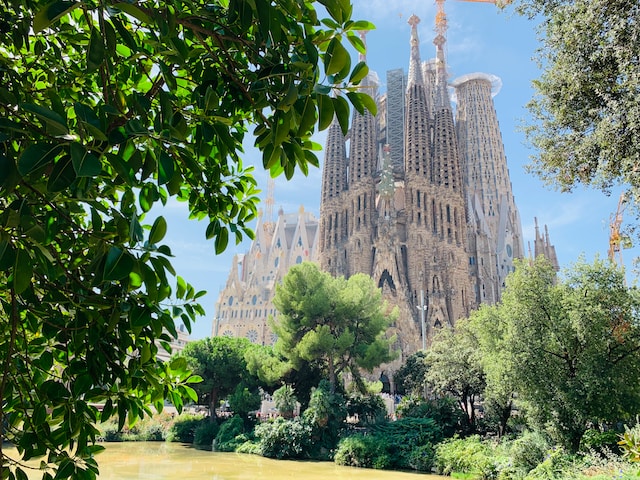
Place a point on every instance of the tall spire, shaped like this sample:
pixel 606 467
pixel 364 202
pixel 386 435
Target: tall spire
pixel 417 148
pixel 415 70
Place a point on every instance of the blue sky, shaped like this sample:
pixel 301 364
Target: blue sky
pixel 480 38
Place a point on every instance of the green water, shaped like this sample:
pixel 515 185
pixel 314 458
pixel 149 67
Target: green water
pixel 170 461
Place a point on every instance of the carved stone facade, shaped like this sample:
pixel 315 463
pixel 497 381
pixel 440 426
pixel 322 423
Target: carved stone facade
pixel 245 304
pixel 438 231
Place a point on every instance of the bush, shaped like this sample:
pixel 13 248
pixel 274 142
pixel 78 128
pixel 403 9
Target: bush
pixel 148 429
pixel 366 451
pixel 556 466
pixel 406 435
pixel 528 451
pixel 205 433
pixel 421 458
pixel 444 411
pixel 368 408
pixel 600 441
pixel 282 438
pixel 229 435
pixel 184 428
pixel 466 455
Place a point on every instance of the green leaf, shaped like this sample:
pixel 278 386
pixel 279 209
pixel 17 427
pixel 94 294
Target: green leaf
pixel 326 111
pixel 51 13
pixel 361 25
pixel 7 255
pixel 118 264
pixel 336 57
pixel 182 287
pixel 96 51
pixel 62 174
pixel 166 168
pixel 22 271
pixel 359 72
pixel 222 240
pixel 158 230
pixel 341 108
pixel 56 124
pixel 85 163
pixel 36 156
pixel 308 117
pixel 133 10
pixel 89 120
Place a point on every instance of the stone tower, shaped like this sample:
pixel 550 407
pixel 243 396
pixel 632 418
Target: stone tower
pixel 423 201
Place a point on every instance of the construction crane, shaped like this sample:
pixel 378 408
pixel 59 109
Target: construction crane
pixel 616 240
pixel 441 17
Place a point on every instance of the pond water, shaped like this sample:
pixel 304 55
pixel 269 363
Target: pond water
pixel 169 461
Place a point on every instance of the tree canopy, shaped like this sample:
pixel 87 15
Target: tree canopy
pixel 570 348
pixel 220 362
pixel 334 323
pixel 108 108
pixel 586 109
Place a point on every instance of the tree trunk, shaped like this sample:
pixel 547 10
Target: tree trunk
pixel 213 403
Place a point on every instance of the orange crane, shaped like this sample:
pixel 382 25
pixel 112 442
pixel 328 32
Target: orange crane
pixel 441 17
pixel 616 240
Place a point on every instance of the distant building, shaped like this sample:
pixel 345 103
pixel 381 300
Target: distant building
pixel 245 304
pixel 422 202
pixel 418 197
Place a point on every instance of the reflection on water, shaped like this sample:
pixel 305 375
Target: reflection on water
pixel 170 461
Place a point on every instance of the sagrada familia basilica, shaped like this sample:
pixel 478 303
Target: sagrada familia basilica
pixel 418 197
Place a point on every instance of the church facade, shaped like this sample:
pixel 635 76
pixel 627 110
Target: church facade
pixel 419 197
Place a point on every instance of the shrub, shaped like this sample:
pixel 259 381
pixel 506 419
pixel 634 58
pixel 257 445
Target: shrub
pixel 368 408
pixel 529 450
pixel 630 443
pixel 205 433
pixel 421 458
pixel 367 451
pixel 444 411
pixel 466 455
pixel 227 439
pixel 556 466
pixel 282 438
pixel 184 428
pixel 600 441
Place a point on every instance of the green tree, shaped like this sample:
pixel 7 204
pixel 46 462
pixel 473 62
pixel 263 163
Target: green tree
pixel 454 368
pixel 410 377
pixel 220 362
pixel 335 323
pixel 586 111
pixel 285 400
pixel 489 329
pixel 573 345
pixel 108 108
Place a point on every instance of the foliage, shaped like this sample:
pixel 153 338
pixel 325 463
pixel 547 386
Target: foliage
pixel 443 410
pixel 285 439
pixel 154 428
pixel 285 401
pixel 406 435
pixel 184 427
pixel 454 369
pixel 570 346
pixel 600 441
pixel 229 435
pixel 219 361
pixel 586 111
pixel 326 415
pixel 467 455
pixel 243 400
pixel 410 377
pixel 556 465
pixel 335 323
pixel 108 109
pixel 368 408
pixel 529 450
pixel 365 451
pixel 630 443
pixel 205 433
